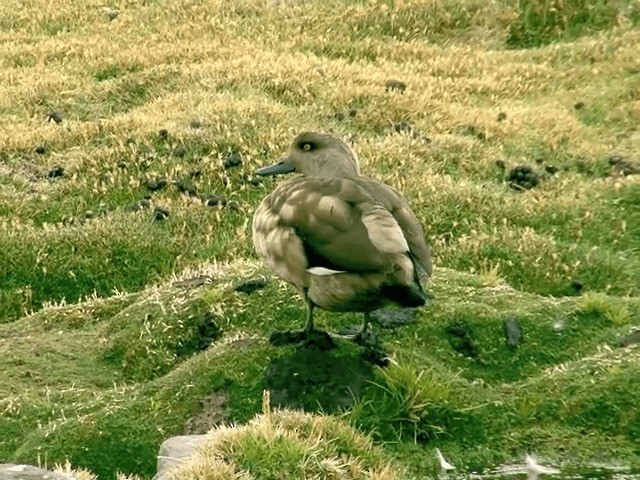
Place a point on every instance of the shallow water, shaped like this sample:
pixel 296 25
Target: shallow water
pixel 518 472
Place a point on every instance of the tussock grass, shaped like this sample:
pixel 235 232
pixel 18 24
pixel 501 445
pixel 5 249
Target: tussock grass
pixel 101 354
pixel 287 444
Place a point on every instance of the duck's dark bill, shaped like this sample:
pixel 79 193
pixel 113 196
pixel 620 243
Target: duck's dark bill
pixel 281 167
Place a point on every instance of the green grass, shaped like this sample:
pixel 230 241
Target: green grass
pixel 101 354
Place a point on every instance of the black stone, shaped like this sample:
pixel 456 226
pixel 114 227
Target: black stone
pixel 395 86
pixel 460 338
pixel 576 286
pixel 160 213
pixel 55 172
pixel 54 116
pixel 155 184
pixel 251 285
pixel 394 317
pixel 186 188
pixel 233 160
pixel 523 177
pixel 214 200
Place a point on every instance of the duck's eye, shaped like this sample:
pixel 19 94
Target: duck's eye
pixel 307 147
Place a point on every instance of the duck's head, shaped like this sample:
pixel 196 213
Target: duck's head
pixel 317 154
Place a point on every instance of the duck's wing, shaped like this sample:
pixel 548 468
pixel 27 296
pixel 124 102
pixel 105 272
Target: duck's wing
pixel 411 227
pixel 338 226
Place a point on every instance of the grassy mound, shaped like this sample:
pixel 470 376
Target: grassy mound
pixel 289 445
pixel 129 140
pixel 67 396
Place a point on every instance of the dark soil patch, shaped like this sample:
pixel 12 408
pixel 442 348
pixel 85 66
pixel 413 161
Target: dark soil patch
pixel 461 340
pixel 214 411
pixel 313 379
pixel 317 339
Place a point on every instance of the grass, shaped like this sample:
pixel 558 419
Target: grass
pixel 102 355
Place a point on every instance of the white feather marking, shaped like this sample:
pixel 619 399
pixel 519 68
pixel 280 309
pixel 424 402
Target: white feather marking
pixel 323 272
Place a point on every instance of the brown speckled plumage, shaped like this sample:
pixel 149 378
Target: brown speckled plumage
pixel 345 241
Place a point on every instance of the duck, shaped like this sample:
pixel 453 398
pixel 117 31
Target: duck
pixel 345 241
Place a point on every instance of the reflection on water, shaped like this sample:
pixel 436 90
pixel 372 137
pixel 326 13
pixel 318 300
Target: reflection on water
pixel 519 472
pixel 532 470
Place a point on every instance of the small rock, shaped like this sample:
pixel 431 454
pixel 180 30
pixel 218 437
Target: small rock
pixel 576 286
pixel 160 213
pixel 174 451
pixel 11 471
pixel 502 116
pixel 195 123
pixel 578 105
pixel 523 178
pixel 186 188
pixel 54 116
pixel 163 134
pixel 233 160
pixel 394 317
pixel 41 149
pixel 179 152
pixel 395 86
pixel 55 172
pixel 251 285
pixel 110 13
pixel 512 332
pixel 551 169
pixel 89 214
pixel 461 340
pixel 155 184
pixel 402 127
pixel 214 200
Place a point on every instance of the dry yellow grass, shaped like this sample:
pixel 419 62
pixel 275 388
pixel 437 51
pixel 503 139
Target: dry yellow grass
pixel 246 76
